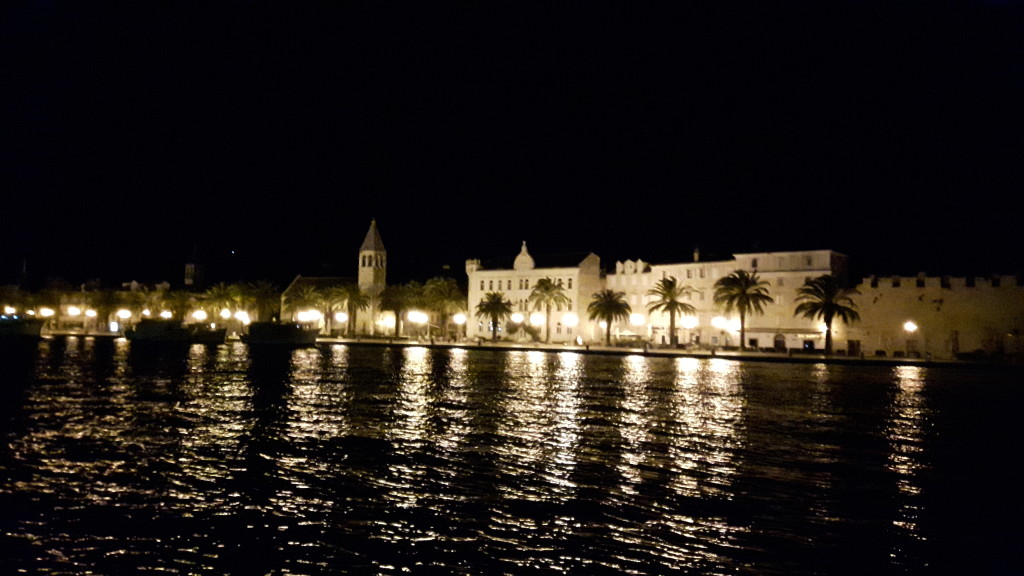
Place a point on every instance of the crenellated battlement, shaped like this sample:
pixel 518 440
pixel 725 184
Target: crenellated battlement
pixel 940 282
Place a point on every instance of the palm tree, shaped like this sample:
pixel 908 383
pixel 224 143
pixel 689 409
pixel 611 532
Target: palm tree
pixel 306 296
pixel 669 296
pixel 333 300
pixel 221 296
pixel 105 302
pixel 179 302
pixel 398 298
pixel 496 308
pixel 545 295
pixel 824 298
pixel 356 301
pixel 745 293
pixel 608 306
pixel 265 299
pixel 444 296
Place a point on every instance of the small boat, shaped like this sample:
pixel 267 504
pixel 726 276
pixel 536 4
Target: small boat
pixel 172 331
pixel 203 334
pixel 279 334
pixel 20 327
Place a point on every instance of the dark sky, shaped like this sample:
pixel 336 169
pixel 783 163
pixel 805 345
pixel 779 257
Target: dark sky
pixel 269 134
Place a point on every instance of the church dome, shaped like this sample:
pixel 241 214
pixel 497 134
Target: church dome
pixel 523 261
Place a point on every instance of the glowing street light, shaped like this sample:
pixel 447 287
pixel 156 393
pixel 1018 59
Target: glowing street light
pixel 309 316
pixel 909 326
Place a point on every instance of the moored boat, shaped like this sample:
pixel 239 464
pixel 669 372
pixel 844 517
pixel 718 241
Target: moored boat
pixel 172 331
pixel 157 330
pixel 274 333
pixel 203 334
pixel 20 327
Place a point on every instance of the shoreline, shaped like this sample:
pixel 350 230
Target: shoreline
pixel 653 352
pixel 750 356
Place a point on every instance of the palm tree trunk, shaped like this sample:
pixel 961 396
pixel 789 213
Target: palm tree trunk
pixel 743 331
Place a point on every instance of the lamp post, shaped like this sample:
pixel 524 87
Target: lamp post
pixel 123 316
pixel 689 323
pixel 460 321
pixel 910 327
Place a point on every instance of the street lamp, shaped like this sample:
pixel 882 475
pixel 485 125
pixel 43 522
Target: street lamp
pixel 460 321
pixel 689 323
pixel 910 327
pixel 123 316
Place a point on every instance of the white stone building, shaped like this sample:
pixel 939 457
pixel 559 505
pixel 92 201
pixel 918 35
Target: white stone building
pixel 582 277
pixel 776 329
pixel 939 317
pixel 579 274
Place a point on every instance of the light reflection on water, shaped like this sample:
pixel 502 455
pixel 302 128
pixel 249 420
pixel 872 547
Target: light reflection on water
pixel 363 459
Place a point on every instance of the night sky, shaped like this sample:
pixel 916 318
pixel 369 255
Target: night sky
pixel 268 135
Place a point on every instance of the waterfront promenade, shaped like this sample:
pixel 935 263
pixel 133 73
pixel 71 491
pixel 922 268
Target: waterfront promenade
pixel 795 357
pixel 655 351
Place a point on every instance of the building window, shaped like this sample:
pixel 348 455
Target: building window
pixel 809 260
pixel 490 285
pixel 701 272
pixel 570 283
pixel 481 284
pixel 753 263
pixel 689 274
pixel 782 282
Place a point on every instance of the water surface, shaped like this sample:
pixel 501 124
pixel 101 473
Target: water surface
pixel 342 459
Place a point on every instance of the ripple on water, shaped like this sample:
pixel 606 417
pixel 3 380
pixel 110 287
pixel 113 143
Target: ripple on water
pixel 382 460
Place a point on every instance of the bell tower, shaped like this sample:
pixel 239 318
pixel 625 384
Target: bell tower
pixel 373 260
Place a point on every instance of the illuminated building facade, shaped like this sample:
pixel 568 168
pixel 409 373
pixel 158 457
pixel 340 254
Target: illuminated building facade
pixel 578 274
pixel 936 317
